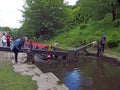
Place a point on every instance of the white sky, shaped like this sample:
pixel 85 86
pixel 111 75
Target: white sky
pixel 10 14
pixel 71 2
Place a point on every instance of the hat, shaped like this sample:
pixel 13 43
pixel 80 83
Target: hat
pixel 25 38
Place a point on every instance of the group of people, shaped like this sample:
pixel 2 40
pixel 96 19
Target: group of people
pixel 15 46
pixel 5 39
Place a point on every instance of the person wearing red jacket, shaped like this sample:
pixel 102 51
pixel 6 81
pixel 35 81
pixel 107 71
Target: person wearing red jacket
pixel 8 40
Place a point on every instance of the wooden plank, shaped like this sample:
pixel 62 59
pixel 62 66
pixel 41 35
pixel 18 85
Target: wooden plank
pixel 68 53
pixel 49 52
pixel 8 49
pixel 38 51
pixel 5 49
pixel 84 47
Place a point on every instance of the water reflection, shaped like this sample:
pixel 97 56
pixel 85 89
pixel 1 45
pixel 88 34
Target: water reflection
pixel 101 69
pixel 98 74
pixel 118 88
pixel 74 79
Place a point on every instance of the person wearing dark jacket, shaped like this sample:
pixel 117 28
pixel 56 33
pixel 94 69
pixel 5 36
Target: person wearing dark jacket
pixel 103 41
pixel 16 47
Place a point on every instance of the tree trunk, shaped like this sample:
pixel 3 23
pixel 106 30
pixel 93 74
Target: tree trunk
pixel 113 12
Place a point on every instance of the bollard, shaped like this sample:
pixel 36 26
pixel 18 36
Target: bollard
pixel 30 56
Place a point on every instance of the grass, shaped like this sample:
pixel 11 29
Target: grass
pixel 9 80
pixel 77 37
pixel 115 51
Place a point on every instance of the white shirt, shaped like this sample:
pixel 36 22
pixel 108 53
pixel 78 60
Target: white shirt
pixel 3 38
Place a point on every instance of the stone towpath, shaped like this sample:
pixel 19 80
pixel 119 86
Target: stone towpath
pixel 45 81
pixel 108 55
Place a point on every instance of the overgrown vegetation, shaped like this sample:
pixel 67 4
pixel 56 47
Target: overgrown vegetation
pixel 71 26
pixel 77 36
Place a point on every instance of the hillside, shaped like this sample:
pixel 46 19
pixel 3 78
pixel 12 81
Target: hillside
pixel 86 33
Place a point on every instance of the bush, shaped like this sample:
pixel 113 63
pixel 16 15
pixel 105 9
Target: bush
pixel 108 17
pixel 117 49
pixel 116 23
pixel 113 39
pixel 113 43
pixel 82 26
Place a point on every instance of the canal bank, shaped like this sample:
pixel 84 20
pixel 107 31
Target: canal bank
pixel 45 81
pixel 44 78
pixel 107 55
pixel 89 73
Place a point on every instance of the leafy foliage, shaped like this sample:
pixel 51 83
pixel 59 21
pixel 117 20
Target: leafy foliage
pixel 97 9
pixel 48 19
pixel 91 32
pixel 6 29
pixel 44 16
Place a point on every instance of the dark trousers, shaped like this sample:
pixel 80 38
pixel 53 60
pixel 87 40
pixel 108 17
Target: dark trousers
pixel 16 54
pixel 103 46
pixel 8 44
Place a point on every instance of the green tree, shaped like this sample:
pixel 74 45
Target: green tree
pixel 97 9
pixel 6 29
pixel 44 16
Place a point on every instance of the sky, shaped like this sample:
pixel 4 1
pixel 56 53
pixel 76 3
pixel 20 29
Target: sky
pixel 10 14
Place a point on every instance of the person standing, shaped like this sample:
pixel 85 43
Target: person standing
pixel 16 47
pixel 8 40
pixel 3 39
pixel 99 49
pixel 103 41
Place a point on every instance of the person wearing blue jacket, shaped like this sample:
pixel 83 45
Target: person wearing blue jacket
pixel 16 47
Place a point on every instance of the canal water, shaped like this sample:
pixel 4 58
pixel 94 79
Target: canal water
pixel 87 74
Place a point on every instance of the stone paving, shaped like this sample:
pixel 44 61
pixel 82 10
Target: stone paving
pixel 45 81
